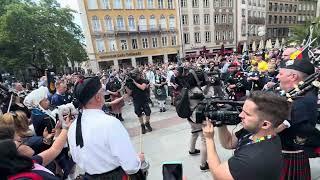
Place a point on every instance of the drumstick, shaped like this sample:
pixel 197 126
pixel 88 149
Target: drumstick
pixel 140 139
pixel 10 103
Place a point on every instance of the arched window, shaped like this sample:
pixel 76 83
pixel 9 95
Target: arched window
pixel 172 22
pixel 132 25
pixel 142 23
pixel 153 23
pixel 163 23
pixel 96 24
pixel 120 23
pixel 108 23
pixel 92 4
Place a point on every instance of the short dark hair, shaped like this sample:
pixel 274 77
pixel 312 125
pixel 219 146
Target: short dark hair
pixel 271 107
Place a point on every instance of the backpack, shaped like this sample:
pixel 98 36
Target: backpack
pixel 26 176
pixel 183 104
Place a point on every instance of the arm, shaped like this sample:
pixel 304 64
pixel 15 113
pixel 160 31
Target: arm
pixel 218 170
pixel 227 140
pixel 142 86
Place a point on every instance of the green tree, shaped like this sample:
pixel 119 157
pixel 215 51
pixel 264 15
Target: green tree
pixel 300 32
pixel 39 35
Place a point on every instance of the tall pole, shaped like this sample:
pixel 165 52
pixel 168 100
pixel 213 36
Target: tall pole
pixel 181 55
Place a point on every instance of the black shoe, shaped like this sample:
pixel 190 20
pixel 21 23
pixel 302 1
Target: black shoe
pixel 195 152
pixel 164 110
pixel 148 126
pixel 204 167
pixel 143 129
pixel 161 110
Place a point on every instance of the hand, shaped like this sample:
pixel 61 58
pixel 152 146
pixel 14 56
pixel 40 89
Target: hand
pixel 208 130
pixel 67 121
pixel 47 135
pixel 231 86
pixel 270 84
pixel 141 157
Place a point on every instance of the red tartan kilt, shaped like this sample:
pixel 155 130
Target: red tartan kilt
pixel 296 166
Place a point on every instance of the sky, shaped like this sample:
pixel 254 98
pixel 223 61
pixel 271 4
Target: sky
pixel 73 4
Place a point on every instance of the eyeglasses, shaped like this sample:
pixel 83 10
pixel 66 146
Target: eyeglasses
pixel 21 142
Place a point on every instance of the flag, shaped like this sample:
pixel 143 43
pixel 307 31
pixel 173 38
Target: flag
pixel 301 53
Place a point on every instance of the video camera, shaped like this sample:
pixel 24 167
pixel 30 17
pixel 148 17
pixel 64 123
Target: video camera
pixel 220 112
pixel 133 75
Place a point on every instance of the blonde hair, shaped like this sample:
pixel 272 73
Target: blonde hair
pixel 19 121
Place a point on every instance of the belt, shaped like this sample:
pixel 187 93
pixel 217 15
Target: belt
pixel 117 172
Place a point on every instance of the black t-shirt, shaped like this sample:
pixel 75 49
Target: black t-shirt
pixel 138 95
pixel 302 121
pixel 257 161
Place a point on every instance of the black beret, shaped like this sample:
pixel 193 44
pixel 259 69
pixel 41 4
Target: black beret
pixel 85 89
pixel 302 65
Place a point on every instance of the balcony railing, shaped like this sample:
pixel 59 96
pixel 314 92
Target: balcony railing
pixel 139 29
pixel 256 20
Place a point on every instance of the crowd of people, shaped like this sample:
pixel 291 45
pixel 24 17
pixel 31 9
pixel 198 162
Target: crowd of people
pixel 276 141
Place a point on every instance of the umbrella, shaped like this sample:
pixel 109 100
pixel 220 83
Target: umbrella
pixel 268 44
pixel 245 48
pixel 277 44
pixel 261 45
pixel 283 41
pixel 254 46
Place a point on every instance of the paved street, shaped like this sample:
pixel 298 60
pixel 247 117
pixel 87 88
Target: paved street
pixel 170 141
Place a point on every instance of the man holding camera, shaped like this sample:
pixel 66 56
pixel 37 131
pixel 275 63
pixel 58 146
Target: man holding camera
pixel 257 147
pixel 138 90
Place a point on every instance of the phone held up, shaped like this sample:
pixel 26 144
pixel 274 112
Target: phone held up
pixel 172 171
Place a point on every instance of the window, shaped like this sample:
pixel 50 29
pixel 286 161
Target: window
pixel 290 19
pixel 170 4
pixel 183 3
pixel 160 4
pixel 117 4
pixel 129 4
pixel 100 45
pixel 174 40
pixel 105 4
pixel 230 3
pixel 230 18
pixel 96 24
pixel 223 3
pixel 124 45
pixel 142 23
pixel 92 4
pixel 281 7
pixel 280 19
pixel 153 23
pixel 294 19
pixel 145 43
pixel 208 36
pixel 243 29
pixel 207 19
pixel 150 4
pixel 120 23
pixel 216 18
pixel 172 22
pixel 186 38
pixel 195 3
pixel 223 19
pixel 217 35
pixel 164 41
pixel 132 25
pixel 243 12
pixel 163 23
pixel 108 23
pixel 205 3
pixel 275 6
pixel 224 35
pixel 285 19
pixel 140 4
pixel 184 19
pixel 217 3
pixel 196 20
pixel 134 43
pixel 154 42
pixel 112 44
pixel 197 37
pixel 270 19
pixel 270 6
pixel 230 35
pixel 290 8
pixel 243 2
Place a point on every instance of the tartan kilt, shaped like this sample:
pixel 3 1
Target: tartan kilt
pixel 296 166
pixel 116 174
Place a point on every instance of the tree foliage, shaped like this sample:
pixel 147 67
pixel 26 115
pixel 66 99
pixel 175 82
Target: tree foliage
pixel 301 32
pixel 39 35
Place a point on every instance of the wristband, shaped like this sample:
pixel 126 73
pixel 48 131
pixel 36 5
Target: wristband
pixel 285 122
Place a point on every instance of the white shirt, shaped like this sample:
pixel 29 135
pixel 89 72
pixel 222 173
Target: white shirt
pixel 106 144
pixel 170 73
pixel 150 76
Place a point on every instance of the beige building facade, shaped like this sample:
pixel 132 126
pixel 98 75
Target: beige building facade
pixel 122 33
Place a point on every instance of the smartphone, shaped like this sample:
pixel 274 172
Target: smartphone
pixel 172 171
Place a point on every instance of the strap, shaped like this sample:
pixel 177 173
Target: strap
pixel 195 77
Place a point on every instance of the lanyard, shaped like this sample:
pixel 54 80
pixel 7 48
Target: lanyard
pixel 251 141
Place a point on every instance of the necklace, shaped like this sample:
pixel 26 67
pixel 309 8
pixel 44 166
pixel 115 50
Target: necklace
pixel 258 140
